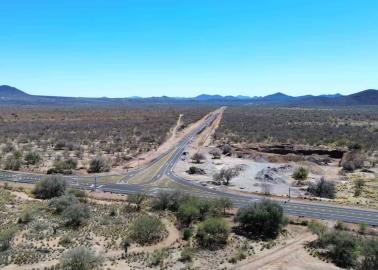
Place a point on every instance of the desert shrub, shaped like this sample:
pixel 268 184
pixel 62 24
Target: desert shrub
pixel 226 149
pixel 195 170
pixel 340 226
pixel 300 174
pixel 80 258
pixel 168 200
pixel 11 162
pixel 8 148
pixel 98 164
pixel 261 220
pixel 212 233
pixel 223 204
pixel 317 227
pixel 352 160
pixel 323 188
pixel 253 124
pixel 26 216
pixel 198 157
pixel 342 247
pixel 362 228
pixel 216 153
pixel 187 234
pixel 157 257
pixel 49 187
pixel 358 186
pixel 5 238
pixel 66 240
pixel 189 211
pixel 137 200
pixel 146 229
pixel 59 204
pixel 32 158
pixel 67 164
pixel 369 259
pixel 81 195
pixel 76 214
pixel 187 254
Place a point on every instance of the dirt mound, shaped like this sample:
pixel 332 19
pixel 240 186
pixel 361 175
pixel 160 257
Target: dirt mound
pixel 273 175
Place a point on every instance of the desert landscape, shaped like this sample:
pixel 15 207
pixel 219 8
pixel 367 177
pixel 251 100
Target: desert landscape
pixel 188 135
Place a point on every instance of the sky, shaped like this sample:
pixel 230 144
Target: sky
pixel 185 48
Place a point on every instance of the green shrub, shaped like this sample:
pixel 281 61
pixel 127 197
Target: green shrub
pixel 60 204
pixel 26 216
pixel 317 227
pixel 80 258
pixel 300 174
pixel 168 200
pixel 32 158
pixel 212 233
pixel 188 211
pixel 157 257
pixel 76 214
pixel 187 234
pixel 5 238
pixel 81 195
pixel 146 229
pixel 11 162
pixel 342 247
pixel 369 259
pixel 98 164
pixel 264 219
pixel 137 200
pixel 187 254
pixel 358 186
pixel 49 187
pixel 65 240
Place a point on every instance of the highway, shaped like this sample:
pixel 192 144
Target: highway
pixel 295 208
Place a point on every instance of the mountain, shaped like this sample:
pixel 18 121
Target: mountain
pixel 12 96
pixel 7 91
pixel 277 98
pixel 368 97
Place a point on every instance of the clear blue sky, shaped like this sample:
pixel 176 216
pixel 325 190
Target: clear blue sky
pixel 184 48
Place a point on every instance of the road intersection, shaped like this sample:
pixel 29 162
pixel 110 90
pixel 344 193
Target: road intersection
pixel 169 159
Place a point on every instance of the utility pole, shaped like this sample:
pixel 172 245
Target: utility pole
pixel 289 193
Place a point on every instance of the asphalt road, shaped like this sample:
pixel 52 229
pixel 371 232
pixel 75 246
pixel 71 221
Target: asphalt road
pixel 296 208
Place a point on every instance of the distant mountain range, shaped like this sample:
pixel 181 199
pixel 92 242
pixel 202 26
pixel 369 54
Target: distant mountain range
pixel 12 96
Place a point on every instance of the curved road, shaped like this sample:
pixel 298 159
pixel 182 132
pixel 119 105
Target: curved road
pixel 296 208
